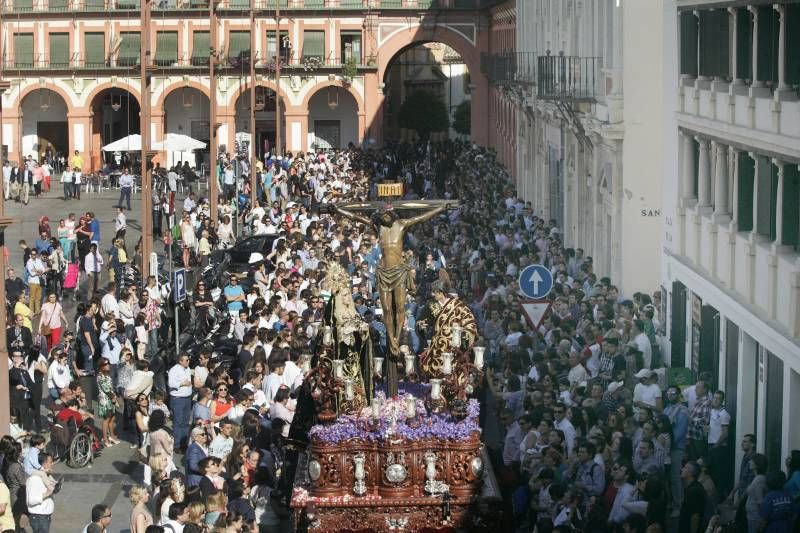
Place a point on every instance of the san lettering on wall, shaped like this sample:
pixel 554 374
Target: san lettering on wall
pixel 650 212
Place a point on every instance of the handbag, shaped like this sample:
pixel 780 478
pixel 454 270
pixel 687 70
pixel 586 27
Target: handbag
pixel 46 329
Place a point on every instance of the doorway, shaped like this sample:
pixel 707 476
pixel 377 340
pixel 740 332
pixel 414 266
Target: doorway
pixel 328 134
pixel 54 135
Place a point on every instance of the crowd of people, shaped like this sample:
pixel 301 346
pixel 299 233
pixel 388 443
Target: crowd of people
pixel 584 430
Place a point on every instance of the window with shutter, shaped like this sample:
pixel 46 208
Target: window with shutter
pixel 744 43
pixel 696 168
pixel 166 48
pixel 129 49
pixel 791 216
pixel 96 5
pixel 688 43
pixel 201 47
pixel 23 5
pixel 238 46
pixel 314 3
pixel 23 50
pixel 57 5
pixel 313 44
pixel 768 32
pixel 95 44
pixel 745 184
pixel 59 50
pixel 239 4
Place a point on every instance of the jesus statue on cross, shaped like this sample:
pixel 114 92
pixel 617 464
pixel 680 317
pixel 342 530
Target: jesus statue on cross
pixel 394 276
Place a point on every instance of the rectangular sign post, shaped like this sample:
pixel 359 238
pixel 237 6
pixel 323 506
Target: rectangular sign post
pixel 178 296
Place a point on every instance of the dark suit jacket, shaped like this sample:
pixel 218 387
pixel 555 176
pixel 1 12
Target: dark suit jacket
pixel 194 454
pixel 24 335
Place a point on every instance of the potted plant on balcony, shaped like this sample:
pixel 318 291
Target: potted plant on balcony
pixel 349 70
pixel 311 63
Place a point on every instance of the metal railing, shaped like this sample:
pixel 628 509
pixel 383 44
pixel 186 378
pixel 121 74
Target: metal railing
pixel 39 62
pixel 509 68
pixel 63 6
pixel 567 77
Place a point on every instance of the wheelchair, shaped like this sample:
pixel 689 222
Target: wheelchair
pixel 76 446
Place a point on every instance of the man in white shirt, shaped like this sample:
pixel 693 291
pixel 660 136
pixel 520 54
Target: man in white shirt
pixel 39 490
pixel 641 342
pixel 7 179
pixel 292 374
pixel 36 269
pixel 647 393
pixel 563 423
pixel 222 444
pixel 621 477
pixel 109 303
pixel 93 264
pixel 120 224
pixel 126 182
pixel 180 391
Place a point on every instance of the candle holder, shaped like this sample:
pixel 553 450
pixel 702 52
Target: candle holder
pixel 359 487
pixel 411 406
pixel 376 409
pixel 349 395
pixel 378 364
pixel 436 402
pixel 338 368
pixel 478 361
pixel 455 335
pixel 327 335
pixel 409 361
pixel 447 363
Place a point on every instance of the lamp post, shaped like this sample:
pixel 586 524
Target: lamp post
pixel 253 154
pixel 213 184
pixel 5 397
pixel 147 195
pixel 278 149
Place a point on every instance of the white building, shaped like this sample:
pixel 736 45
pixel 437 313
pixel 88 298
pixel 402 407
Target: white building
pixel 731 195
pixel 583 158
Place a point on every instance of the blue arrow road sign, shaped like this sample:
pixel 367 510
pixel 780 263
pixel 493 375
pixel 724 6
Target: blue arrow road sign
pixel 535 281
pixel 179 285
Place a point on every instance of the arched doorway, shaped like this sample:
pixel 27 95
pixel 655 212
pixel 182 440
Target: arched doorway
pixel 332 118
pixel 45 132
pixel 186 112
pixel 115 115
pixel 438 71
pixel 265 122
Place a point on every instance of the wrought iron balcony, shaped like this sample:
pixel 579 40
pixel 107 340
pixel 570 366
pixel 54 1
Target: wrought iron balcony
pixel 567 77
pixel 510 68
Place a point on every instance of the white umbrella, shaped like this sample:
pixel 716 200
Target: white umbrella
pixel 126 144
pixel 177 142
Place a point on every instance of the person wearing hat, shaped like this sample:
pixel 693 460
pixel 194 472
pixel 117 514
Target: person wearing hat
pixel 647 393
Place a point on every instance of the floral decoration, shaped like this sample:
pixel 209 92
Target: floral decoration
pixel 393 424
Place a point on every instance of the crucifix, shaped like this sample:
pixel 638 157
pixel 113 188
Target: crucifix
pixel 394 276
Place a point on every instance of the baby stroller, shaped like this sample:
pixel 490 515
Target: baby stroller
pixel 71 278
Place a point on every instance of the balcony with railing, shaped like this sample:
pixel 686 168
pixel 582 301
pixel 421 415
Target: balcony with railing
pixel 22 7
pixel 511 68
pixel 568 78
pixel 238 62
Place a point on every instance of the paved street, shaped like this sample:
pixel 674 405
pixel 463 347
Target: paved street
pixel 109 477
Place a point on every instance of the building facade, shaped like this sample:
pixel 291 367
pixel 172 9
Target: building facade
pixel 583 158
pixel 731 196
pixel 75 84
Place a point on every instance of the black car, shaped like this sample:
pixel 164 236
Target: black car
pixel 237 257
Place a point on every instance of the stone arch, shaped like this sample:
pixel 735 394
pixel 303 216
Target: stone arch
pixel 244 87
pixel 181 84
pixel 125 86
pixel 328 83
pixel 470 52
pixel 68 98
pixel 412 36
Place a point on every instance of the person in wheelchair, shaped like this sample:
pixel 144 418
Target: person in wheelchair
pixel 72 411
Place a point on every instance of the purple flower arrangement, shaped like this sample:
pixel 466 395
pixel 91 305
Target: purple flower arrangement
pixel 393 424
